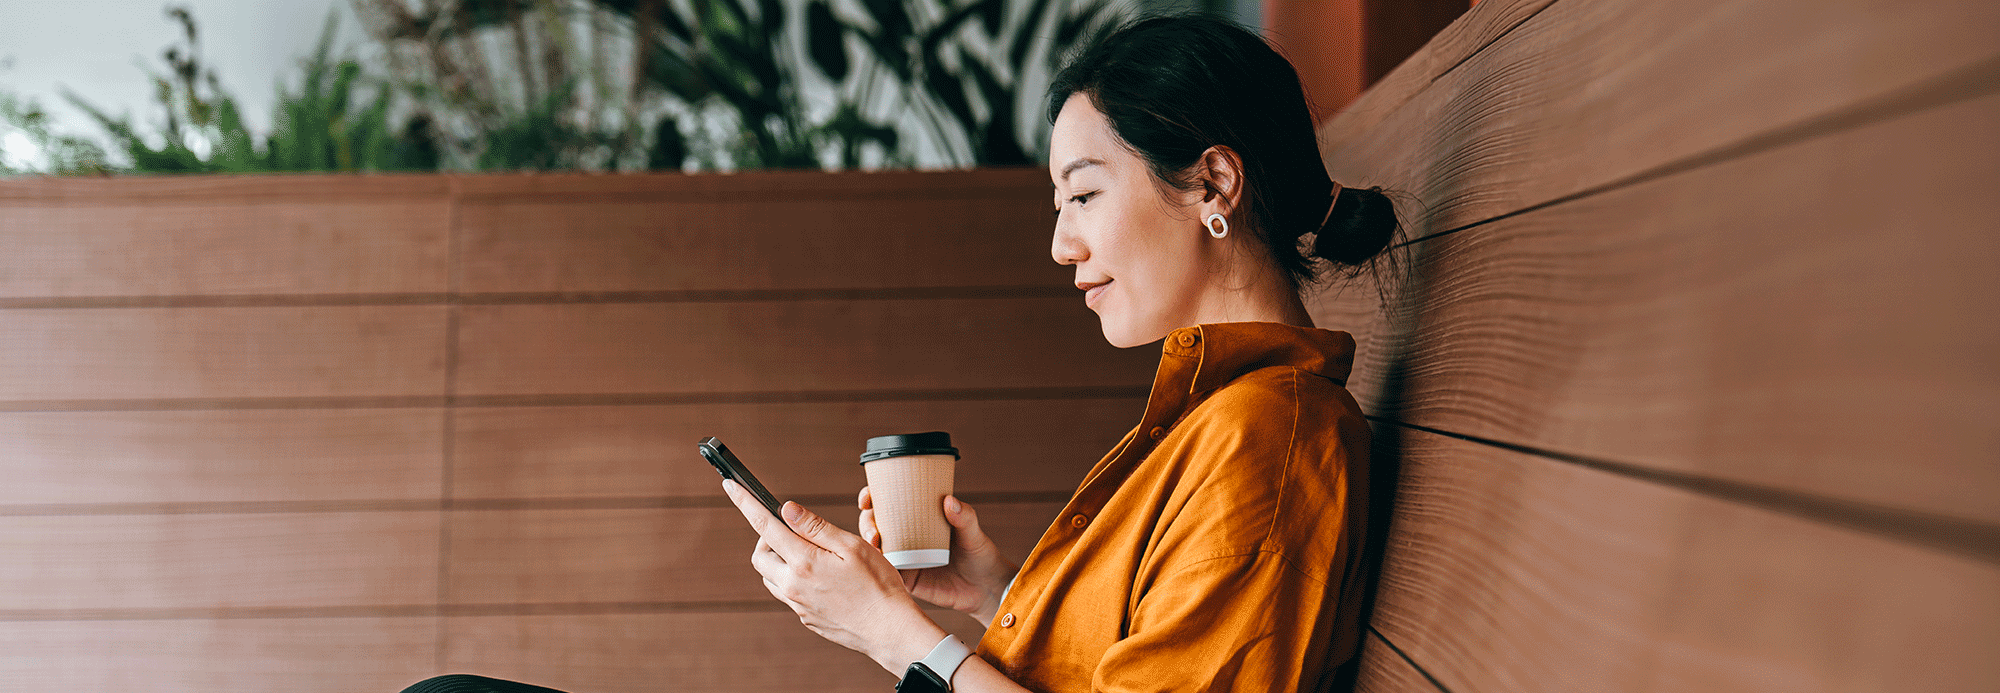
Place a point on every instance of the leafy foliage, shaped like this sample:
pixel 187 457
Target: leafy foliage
pixel 630 84
pixel 322 127
pixel 937 67
pixel 691 57
pixel 29 145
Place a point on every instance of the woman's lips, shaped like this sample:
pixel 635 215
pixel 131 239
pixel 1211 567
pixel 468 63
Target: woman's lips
pixel 1091 295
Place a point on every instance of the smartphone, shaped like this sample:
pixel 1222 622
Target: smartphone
pixel 731 468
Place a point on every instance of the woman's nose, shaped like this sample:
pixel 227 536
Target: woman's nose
pixel 1067 248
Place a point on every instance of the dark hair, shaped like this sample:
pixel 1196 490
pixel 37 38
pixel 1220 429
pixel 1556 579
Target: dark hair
pixel 1172 87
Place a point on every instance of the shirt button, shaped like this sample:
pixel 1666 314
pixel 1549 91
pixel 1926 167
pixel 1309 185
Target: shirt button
pixel 1187 339
pixel 1079 520
pixel 1158 432
pixel 1007 621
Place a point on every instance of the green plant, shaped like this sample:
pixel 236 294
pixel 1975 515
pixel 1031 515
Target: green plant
pixel 203 130
pixel 546 102
pixel 715 82
pixel 29 145
pixel 958 65
pixel 322 127
pixel 725 51
pixel 978 90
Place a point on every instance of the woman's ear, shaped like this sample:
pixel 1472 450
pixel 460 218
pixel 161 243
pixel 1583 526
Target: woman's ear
pixel 1220 172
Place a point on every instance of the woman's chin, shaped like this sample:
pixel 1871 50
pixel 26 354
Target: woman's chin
pixel 1126 336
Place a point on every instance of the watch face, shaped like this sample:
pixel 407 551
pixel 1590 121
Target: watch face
pixel 920 679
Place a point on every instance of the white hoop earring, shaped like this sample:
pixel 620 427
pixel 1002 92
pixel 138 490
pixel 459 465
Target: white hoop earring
pixel 1210 223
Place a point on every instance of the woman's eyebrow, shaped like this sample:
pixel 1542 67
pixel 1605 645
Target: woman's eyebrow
pixel 1071 167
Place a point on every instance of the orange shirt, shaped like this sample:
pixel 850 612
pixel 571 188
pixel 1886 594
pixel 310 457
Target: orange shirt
pixel 1215 548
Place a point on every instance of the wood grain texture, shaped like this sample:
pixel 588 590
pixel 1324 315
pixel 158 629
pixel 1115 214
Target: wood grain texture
pixel 681 652
pixel 1528 119
pixel 225 456
pixel 70 354
pixel 1398 28
pixel 118 247
pixel 972 229
pixel 796 449
pixel 305 655
pixel 747 184
pixel 1770 320
pixel 1384 671
pixel 1376 309
pixel 683 555
pixel 1510 572
pixel 789 346
pixel 221 560
pixel 176 190
pixel 1477 28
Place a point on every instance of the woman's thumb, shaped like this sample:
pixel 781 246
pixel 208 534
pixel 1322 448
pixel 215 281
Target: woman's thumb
pixel 961 516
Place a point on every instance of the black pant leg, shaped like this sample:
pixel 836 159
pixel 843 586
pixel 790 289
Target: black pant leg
pixel 467 683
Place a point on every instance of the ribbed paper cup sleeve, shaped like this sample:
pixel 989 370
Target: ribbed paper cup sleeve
pixel 908 493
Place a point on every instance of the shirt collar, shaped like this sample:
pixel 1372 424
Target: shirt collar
pixel 1194 360
pixel 1224 351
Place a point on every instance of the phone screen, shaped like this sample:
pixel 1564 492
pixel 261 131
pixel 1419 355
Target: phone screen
pixel 731 468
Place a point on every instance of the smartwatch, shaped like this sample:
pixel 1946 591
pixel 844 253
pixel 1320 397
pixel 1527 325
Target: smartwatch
pixel 932 674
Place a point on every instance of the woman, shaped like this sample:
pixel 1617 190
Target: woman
pixel 1216 547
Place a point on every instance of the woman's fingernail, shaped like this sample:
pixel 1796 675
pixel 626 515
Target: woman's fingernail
pixel 793 511
pixel 951 504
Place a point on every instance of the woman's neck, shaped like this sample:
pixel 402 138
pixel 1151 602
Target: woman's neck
pixel 1254 294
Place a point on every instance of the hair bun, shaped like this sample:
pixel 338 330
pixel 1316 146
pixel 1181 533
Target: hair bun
pixel 1360 226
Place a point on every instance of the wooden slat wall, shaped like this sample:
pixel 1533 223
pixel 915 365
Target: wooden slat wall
pixel 344 433
pixel 1690 373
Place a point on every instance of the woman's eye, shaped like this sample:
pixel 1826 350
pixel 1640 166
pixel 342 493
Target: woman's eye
pixel 1078 198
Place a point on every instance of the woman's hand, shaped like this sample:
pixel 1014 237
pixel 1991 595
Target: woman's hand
pixel 977 577
pixel 841 588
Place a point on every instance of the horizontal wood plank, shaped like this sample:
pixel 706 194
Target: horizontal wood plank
pixel 131 353
pixel 1480 25
pixel 941 230
pixel 357 245
pixel 1769 321
pixel 681 652
pixel 126 562
pixel 169 190
pixel 1511 572
pixel 682 555
pixel 801 184
pixel 302 655
pixel 1588 93
pixel 221 455
pixel 789 346
pixel 796 449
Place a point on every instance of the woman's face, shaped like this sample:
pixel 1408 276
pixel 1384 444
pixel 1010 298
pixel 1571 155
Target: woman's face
pixel 1143 260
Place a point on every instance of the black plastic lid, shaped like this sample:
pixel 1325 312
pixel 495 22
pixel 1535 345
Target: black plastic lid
pixel 932 443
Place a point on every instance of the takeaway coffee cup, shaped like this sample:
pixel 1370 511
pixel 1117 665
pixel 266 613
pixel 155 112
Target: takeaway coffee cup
pixel 908 477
